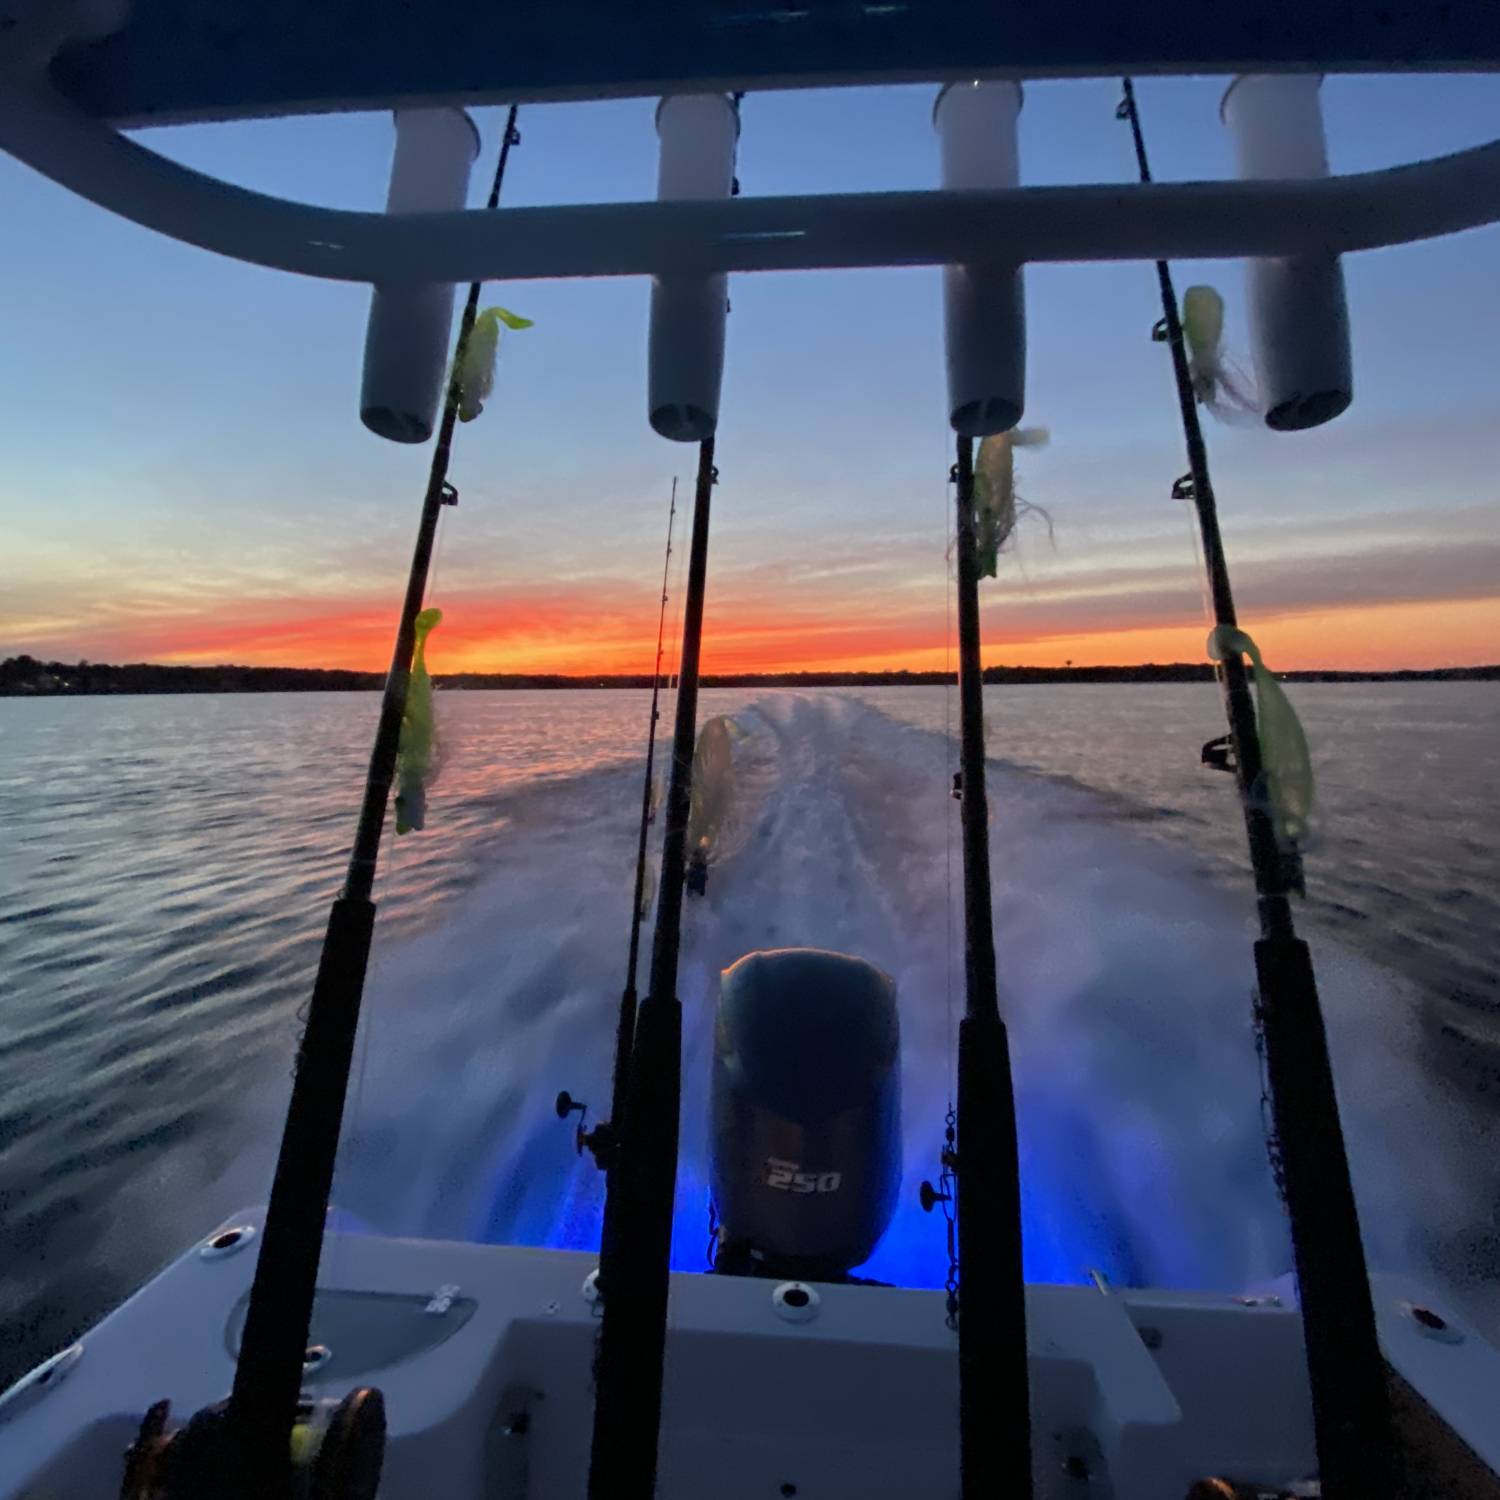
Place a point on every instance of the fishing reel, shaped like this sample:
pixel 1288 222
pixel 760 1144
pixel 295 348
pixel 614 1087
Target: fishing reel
pixel 337 1451
pixel 599 1142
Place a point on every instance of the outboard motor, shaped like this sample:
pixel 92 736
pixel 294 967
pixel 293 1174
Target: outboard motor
pixel 805 1162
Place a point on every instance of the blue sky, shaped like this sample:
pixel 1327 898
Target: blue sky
pixel 185 475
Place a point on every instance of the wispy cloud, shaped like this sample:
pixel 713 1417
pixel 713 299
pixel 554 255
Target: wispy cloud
pixel 567 582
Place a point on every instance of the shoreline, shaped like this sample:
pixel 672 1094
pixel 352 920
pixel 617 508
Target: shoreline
pixel 24 677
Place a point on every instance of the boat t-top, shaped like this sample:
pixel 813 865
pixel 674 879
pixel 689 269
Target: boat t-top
pixel 423 1369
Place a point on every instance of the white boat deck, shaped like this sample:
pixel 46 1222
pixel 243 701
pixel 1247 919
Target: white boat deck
pixel 484 1354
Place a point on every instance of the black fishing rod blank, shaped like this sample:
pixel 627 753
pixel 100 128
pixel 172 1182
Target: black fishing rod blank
pixel 636 1255
pixel 628 999
pixel 268 1374
pixel 993 1373
pixel 1351 1410
pixel 604 1140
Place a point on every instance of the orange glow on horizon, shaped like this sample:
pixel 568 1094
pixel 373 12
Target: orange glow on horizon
pixel 604 631
pixel 1355 638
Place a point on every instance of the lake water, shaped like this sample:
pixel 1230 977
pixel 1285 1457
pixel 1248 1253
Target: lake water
pixel 167 865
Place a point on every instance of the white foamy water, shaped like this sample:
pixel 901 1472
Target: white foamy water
pixel 169 861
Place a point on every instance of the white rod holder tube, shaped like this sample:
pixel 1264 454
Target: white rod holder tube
pixel 688 313
pixel 1299 314
pixel 984 312
pixel 406 339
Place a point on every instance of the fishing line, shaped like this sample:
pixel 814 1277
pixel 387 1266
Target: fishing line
pixel 681 591
pixel 674 685
pixel 435 577
pixel 645 898
pixel 388 891
pixel 1204 597
pixel 604 1137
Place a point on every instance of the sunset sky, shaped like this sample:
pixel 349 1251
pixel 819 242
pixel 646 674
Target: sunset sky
pixel 185 479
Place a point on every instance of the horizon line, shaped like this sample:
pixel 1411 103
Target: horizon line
pixel 1202 668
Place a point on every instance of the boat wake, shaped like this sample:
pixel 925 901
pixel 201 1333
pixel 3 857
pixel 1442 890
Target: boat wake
pixel 1126 978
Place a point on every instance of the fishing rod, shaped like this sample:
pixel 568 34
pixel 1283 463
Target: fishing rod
pixel 994 1402
pixel 1351 1413
pixel 603 1141
pixel 635 1257
pixel 268 1375
pixel 628 999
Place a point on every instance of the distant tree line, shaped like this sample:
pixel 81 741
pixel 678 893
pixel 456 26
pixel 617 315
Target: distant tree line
pixel 25 676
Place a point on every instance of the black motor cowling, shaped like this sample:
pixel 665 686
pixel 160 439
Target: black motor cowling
pixel 805 1161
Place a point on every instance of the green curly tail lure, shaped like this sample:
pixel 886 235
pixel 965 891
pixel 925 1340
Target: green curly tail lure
pixel 416 755
pixel 1283 743
pixel 476 369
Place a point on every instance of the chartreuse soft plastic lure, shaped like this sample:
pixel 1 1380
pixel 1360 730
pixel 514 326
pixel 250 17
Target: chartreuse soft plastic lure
pixel 713 793
pixel 476 373
pixel 416 755
pixel 1217 384
pixel 1283 744
pixel 995 504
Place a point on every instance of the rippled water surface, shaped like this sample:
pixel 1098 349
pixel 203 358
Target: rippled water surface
pixel 167 865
